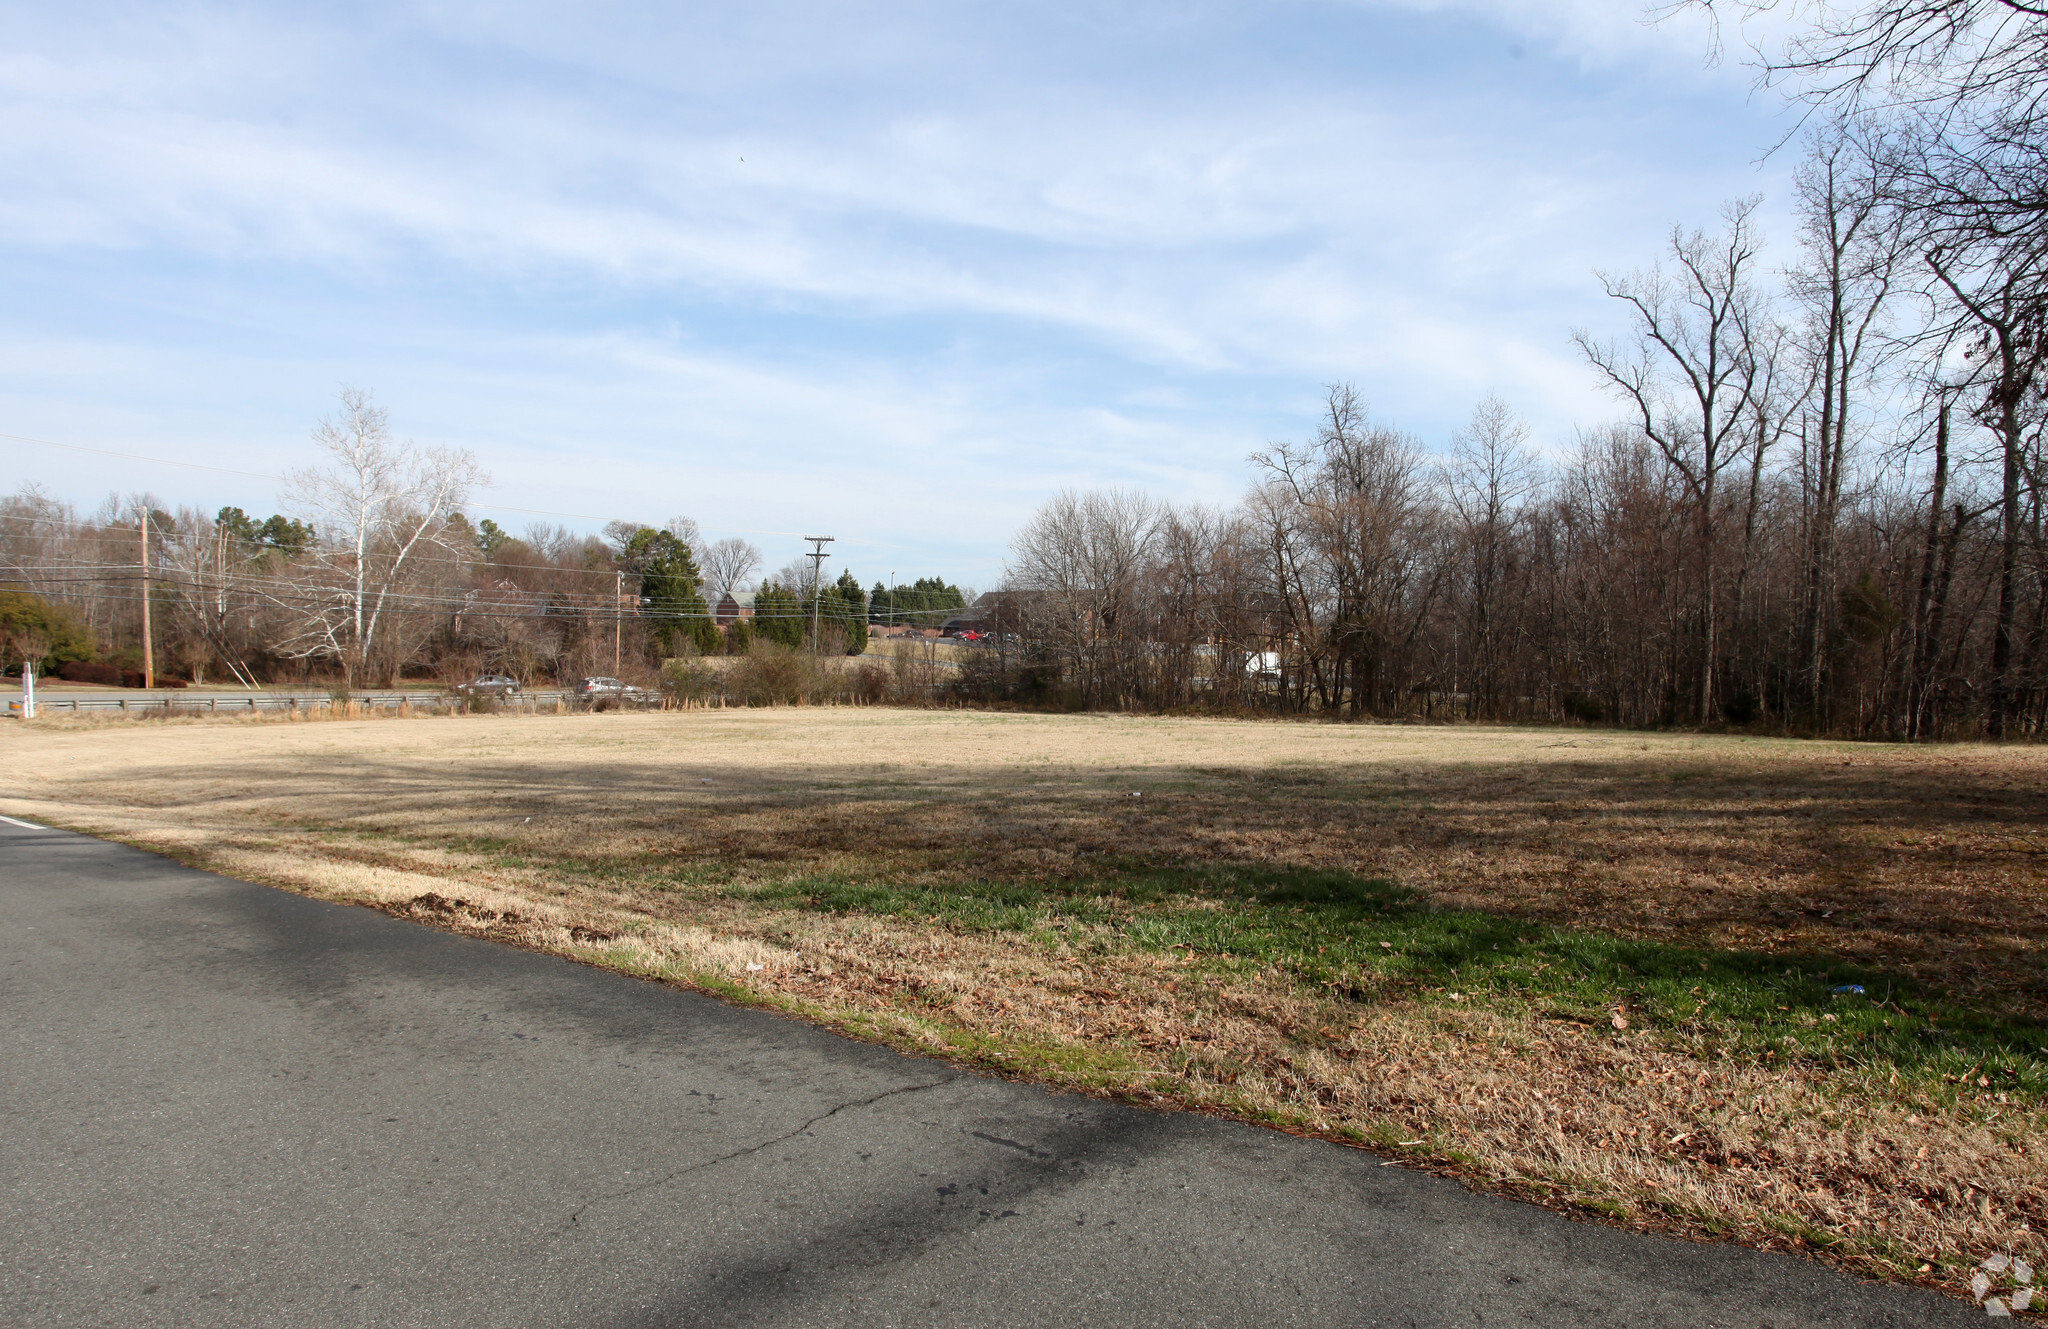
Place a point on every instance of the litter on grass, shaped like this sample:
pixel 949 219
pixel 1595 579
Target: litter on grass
pixel 2002 1306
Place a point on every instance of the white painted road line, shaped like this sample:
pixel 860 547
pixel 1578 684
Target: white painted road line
pixel 25 825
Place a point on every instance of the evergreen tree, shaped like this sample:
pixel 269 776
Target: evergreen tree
pixel 31 628
pixel 287 536
pixel 238 525
pixel 669 583
pixel 779 616
pixel 846 607
pixel 290 537
pixel 925 603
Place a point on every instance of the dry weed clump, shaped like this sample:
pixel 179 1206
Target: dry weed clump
pixel 987 888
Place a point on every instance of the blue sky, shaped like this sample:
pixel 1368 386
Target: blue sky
pixel 894 273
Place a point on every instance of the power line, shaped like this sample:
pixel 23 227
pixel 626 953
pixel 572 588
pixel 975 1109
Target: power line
pixel 133 456
pixel 315 599
pixel 278 479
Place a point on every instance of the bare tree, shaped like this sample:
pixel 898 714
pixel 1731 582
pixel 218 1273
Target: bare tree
pixel 219 578
pixel 1852 244
pixel 2004 313
pixel 727 565
pixel 1931 53
pixel 1491 474
pixel 1692 375
pixel 799 576
pixel 380 505
pixel 1964 83
pixel 1084 556
pixel 686 530
pixel 1346 519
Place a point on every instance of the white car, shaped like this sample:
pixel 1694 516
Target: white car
pixel 596 688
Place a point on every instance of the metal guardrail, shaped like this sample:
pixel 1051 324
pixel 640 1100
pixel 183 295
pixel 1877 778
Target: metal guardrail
pixel 217 703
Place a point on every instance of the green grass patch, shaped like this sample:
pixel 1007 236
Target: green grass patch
pixel 1357 938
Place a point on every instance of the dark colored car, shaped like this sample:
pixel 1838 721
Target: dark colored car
pixel 489 685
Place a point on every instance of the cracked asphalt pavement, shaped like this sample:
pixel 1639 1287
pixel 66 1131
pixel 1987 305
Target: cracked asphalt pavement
pixel 229 1105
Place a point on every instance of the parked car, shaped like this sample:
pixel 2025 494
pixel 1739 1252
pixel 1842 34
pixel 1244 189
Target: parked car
pixel 489 685
pixel 613 689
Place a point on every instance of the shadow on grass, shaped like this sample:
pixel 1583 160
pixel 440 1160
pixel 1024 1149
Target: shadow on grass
pixel 1353 938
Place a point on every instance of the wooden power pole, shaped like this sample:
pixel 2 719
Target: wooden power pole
pixel 817 557
pixel 618 619
pixel 148 646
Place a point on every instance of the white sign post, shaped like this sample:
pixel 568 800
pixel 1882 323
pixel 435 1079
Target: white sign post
pixel 28 690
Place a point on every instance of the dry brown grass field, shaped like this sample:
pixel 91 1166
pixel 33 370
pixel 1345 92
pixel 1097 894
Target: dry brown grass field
pixel 1787 993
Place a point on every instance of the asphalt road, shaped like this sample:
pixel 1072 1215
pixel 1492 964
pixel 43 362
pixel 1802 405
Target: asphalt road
pixel 228 1105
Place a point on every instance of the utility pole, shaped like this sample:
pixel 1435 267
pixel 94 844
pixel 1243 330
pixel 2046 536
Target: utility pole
pixel 148 647
pixel 618 619
pixel 817 557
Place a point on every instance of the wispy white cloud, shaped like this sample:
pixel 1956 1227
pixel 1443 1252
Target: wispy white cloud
pixel 973 241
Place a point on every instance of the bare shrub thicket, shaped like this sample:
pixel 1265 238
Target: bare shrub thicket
pixel 773 675
pixel 1360 577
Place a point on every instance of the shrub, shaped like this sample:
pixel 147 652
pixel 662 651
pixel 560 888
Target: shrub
pixel 50 634
pixel 79 671
pixel 870 683
pixel 774 675
pixel 135 678
pixel 688 679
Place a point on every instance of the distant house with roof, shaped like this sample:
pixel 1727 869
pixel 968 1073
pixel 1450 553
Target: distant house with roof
pixel 994 611
pixel 733 606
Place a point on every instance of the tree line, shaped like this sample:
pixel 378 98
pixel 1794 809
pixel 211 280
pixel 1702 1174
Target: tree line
pixel 376 575
pixel 1820 508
